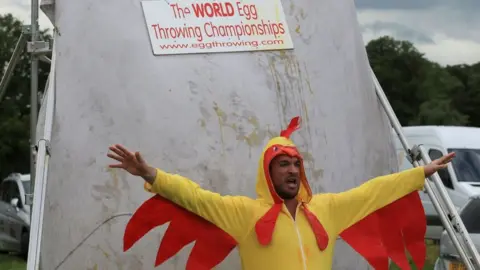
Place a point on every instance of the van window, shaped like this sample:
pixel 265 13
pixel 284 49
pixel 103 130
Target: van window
pixel 466 164
pixel 470 218
pixel 26 186
pixel 10 191
pixel 4 196
pixel 15 193
pixel 443 173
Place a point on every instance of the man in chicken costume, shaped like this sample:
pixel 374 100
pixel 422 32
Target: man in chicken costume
pixel 286 227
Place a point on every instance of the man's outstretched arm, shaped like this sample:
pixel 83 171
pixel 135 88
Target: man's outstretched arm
pixel 229 213
pixel 351 206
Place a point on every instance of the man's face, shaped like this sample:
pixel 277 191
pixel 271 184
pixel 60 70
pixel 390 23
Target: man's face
pixel 285 174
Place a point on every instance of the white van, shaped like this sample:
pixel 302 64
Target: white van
pixel 14 214
pixel 461 178
pixel 449 258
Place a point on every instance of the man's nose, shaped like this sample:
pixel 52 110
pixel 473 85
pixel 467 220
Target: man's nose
pixel 292 169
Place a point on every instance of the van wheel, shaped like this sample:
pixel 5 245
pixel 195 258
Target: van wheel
pixel 24 245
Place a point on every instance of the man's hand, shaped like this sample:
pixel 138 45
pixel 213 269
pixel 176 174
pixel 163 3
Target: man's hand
pixel 132 163
pixel 438 164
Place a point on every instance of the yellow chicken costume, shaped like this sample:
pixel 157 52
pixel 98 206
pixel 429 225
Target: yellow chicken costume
pixel 267 236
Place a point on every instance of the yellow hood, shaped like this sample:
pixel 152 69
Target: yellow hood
pixel 278 146
pixel 265 191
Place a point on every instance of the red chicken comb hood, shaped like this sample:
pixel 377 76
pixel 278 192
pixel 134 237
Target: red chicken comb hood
pixel 282 145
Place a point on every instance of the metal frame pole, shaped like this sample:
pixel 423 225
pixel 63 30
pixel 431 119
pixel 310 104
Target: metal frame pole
pixel 455 220
pixel 33 92
pixel 43 157
pixel 44 152
pixel 417 154
pixel 444 218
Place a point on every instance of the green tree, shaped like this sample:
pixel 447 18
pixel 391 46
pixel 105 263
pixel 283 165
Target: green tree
pixel 399 67
pixel 421 92
pixel 437 90
pixel 439 112
pixel 15 106
pixel 467 98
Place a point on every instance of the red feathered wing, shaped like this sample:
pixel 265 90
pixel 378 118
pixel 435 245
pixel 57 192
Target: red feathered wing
pixel 387 232
pixel 212 244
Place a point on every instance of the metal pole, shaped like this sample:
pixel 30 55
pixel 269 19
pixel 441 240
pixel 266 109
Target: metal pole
pixel 36 227
pixel 43 158
pixel 33 92
pixel 447 223
pixel 453 214
pixel 12 63
pixel 436 179
pixel 44 59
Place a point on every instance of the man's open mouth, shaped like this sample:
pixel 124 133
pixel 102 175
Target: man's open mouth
pixel 292 182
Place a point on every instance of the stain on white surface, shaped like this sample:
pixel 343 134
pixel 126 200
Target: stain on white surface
pixel 204 116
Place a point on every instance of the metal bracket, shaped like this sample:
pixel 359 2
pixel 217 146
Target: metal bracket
pixel 34 149
pixel 39 47
pixel 48 148
pixel 48 151
pixel 28 199
pixel 414 154
pixel 26 29
pixel 44 59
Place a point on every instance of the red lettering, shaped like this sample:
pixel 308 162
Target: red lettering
pixel 247 11
pixel 282 30
pixel 275 29
pixel 155 28
pixel 173 46
pixel 229 9
pixel 213 10
pixel 208 9
pixel 198 10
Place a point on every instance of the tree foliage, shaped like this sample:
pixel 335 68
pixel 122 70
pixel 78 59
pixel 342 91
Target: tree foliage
pixel 421 92
pixel 15 105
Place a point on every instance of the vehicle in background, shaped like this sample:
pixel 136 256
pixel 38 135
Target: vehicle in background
pixel 461 178
pixel 14 214
pixel 449 257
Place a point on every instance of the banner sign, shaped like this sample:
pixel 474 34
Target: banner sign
pixel 207 26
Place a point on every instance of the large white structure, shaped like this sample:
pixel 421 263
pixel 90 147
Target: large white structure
pixel 205 116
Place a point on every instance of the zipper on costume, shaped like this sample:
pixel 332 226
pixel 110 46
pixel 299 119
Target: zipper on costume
pixel 299 236
pixel 301 245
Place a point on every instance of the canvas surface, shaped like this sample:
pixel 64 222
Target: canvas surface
pixel 205 116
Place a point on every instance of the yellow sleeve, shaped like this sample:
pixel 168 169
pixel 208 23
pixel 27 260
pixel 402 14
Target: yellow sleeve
pixel 229 213
pixel 351 206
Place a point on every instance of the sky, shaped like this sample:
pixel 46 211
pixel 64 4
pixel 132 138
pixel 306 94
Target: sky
pixel 446 31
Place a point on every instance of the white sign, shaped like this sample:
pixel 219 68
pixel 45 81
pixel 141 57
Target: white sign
pixel 206 26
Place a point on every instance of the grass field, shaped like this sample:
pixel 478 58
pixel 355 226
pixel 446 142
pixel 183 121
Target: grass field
pixel 8 262
pixel 432 255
